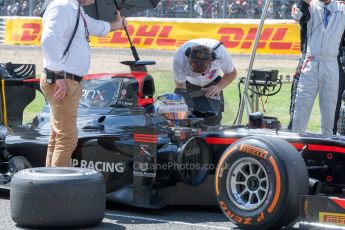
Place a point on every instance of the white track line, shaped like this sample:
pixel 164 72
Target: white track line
pixel 165 221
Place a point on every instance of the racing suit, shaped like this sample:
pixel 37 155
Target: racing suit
pixel 320 70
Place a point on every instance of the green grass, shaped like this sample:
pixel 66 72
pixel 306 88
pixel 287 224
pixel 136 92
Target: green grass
pixel 277 105
pixel 33 108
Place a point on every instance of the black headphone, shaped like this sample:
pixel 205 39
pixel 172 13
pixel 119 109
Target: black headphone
pixel 189 53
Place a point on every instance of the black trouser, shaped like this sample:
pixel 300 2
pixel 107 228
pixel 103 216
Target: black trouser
pixel 209 118
pixel 340 94
pixel 293 97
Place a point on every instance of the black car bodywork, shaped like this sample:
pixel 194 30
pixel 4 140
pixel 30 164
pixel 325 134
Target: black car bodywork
pixel 143 159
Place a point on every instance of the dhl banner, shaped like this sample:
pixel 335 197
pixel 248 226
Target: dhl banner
pixel 278 37
pixel 23 31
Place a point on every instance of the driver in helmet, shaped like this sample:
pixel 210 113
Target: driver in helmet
pixel 198 65
pixel 171 107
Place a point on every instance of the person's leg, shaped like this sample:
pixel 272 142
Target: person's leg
pixel 306 92
pixel 48 92
pixel 51 146
pixel 329 88
pixel 64 125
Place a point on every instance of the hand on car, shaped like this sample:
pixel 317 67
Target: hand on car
pixel 212 91
pixel 120 22
pixel 60 90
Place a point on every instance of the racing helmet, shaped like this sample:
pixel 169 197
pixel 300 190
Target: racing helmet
pixel 171 106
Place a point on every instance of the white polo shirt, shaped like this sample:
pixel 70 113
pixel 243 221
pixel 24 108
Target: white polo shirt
pixel 59 21
pixel 183 71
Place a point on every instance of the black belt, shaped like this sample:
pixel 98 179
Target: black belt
pixel 67 75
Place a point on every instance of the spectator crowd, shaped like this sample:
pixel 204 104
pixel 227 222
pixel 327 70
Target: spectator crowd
pixel 250 9
pixel 20 7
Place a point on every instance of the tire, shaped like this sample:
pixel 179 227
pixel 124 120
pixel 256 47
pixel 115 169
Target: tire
pixel 57 197
pixel 258 182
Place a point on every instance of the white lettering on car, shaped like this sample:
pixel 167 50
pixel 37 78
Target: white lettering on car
pixel 92 95
pixel 91 165
pixel 83 164
pixel 100 166
pixel 74 162
pixel 120 167
pixel 96 166
pixel 110 167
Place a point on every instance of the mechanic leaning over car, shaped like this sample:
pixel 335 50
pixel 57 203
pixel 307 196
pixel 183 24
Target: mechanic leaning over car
pixel 198 64
pixel 320 70
pixel 65 43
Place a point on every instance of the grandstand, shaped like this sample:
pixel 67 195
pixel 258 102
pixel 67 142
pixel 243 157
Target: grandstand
pixel 249 9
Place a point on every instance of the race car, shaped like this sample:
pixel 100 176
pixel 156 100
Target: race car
pixel 152 153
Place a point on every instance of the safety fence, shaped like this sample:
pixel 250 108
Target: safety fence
pixel 278 36
pixel 2 30
pixel 279 9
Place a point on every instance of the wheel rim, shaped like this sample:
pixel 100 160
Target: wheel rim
pixel 247 184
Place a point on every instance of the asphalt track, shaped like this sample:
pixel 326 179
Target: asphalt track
pixel 120 217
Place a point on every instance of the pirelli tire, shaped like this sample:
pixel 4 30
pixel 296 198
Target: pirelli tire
pixel 259 181
pixel 57 197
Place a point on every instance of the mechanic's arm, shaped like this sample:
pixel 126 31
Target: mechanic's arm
pixel 227 79
pixel 216 89
pixel 300 11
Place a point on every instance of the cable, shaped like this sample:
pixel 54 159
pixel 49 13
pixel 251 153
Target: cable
pixel 240 96
pixel 265 91
pixel 264 88
pixel 263 104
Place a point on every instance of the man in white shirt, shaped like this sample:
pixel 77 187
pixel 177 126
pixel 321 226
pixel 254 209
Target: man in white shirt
pixel 198 64
pixel 65 24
